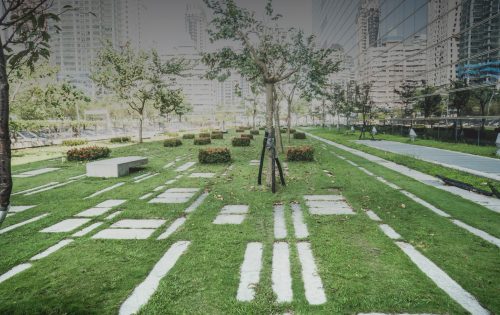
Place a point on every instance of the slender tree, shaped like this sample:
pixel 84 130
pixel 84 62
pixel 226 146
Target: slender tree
pixel 139 79
pixel 429 101
pixel 406 91
pixel 24 40
pixel 484 96
pixel 267 54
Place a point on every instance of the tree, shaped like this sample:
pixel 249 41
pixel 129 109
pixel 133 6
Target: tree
pixel 429 102
pixel 269 54
pixel 184 108
pixel 363 103
pixel 484 95
pixel 459 96
pixel 139 79
pixel 337 100
pixel 406 92
pixel 349 106
pixel 24 41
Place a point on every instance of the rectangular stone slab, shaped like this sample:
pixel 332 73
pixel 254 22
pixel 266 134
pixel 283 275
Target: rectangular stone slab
pixel 323 197
pixel 124 234
pixel 169 200
pixel 93 212
pixel 202 175
pixel 234 209
pixel 182 190
pixel 116 167
pixel 330 211
pixel 229 219
pixel 111 203
pixel 138 224
pixel 167 195
pixel 67 225
pixel 17 209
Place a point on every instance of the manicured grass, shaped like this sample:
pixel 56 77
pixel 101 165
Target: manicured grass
pixel 362 270
pixel 419 165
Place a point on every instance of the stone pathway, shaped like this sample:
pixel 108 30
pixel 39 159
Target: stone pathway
pixel 100 192
pixel 18 209
pixel 328 205
pixel 23 223
pixel 473 164
pixel 232 214
pixel 490 203
pixel 202 175
pixel 140 180
pixel 129 229
pixel 175 195
pixel 46 188
pixel 36 172
pixel 185 166
pixel 35 188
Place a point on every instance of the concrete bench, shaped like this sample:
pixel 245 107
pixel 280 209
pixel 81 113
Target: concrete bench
pixel 116 167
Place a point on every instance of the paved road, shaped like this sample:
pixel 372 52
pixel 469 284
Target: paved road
pixel 483 166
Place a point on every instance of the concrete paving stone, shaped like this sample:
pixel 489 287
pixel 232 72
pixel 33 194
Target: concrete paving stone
pixel 185 166
pixel 202 175
pixel 281 274
pixel 146 196
pixel 17 209
pixel 100 192
pixel 36 172
pixel 159 188
pixel 372 215
pixel 113 215
pixel 138 224
pixel 280 231
pixel 389 231
pixel 92 212
pixel 88 229
pixel 35 188
pixel 14 271
pixel 196 203
pixel 172 228
pixel 330 211
pixel 182 190
pixel 49 188
pixel 299 225
pixel 313 286
pixel 51 249
pixel 323 197
pixel 250 272
pixel 23 223
pixel 234 209
pixel 169 200
pixel 443 280
pixel 111 203
pixel 170 182
pixel 146 178
pixel 124 234
pixel 144 291
pixel 67 225
pixel 229 219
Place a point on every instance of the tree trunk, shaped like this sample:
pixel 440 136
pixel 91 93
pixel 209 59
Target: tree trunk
pixel 323 114
pixel 141 120
pixel 5 153
pixel 279 142
pixel 254 114
pixel 269 128
pixel 289 120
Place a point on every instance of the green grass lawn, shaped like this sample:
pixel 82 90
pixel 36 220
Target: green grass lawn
pixel 362 269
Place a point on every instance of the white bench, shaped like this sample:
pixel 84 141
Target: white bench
pixel 116 167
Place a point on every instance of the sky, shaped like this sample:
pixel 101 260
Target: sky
pixel 164 27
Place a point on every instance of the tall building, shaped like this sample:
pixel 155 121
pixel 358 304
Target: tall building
pixel 479 44
pixel 84 32
pixel 442 44
pixel 196 25
pixel 402 19
pixel 367 26
pixel 391 65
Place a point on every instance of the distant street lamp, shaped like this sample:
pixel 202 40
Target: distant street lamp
pixel 413 135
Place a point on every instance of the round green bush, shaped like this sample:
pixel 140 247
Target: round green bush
pixel 173 142
pixel 254 132
pixel 241 142
pixel 188 136
pixel 202 141
pixel 299 135
pixel 214 155
pixel 204 135
pixel 87 153
pixel 120 139
pixel 217 135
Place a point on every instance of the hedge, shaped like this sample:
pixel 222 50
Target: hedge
pixel 87 153
pixel 254 132
pixel 302 153
pixel 217 135
pixel 299 135
pixel 214 155
pixel 262 128
pixel 74 142
pixel 241 142
pixel 292 130
pixel 240 130
pixel 202 141
pixel 120 139
pixel 247 136
pixel 204 135
pixel 188 136
pixel 173 142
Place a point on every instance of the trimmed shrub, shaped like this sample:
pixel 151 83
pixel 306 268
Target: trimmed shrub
pixel 87 153
pixel 173 142
pixel 299 135
pixel 202 141
pixel 241 142
pixel 283 131
pixel 120 139
pixel 247 136
pixel 254 132
pixel 262 128
pixel 204 135
pixel 217 135
pixel 74 142
pixel 240 130
pixel 302 153
pixel 188 136
pixel 214 155
pixel 292 130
